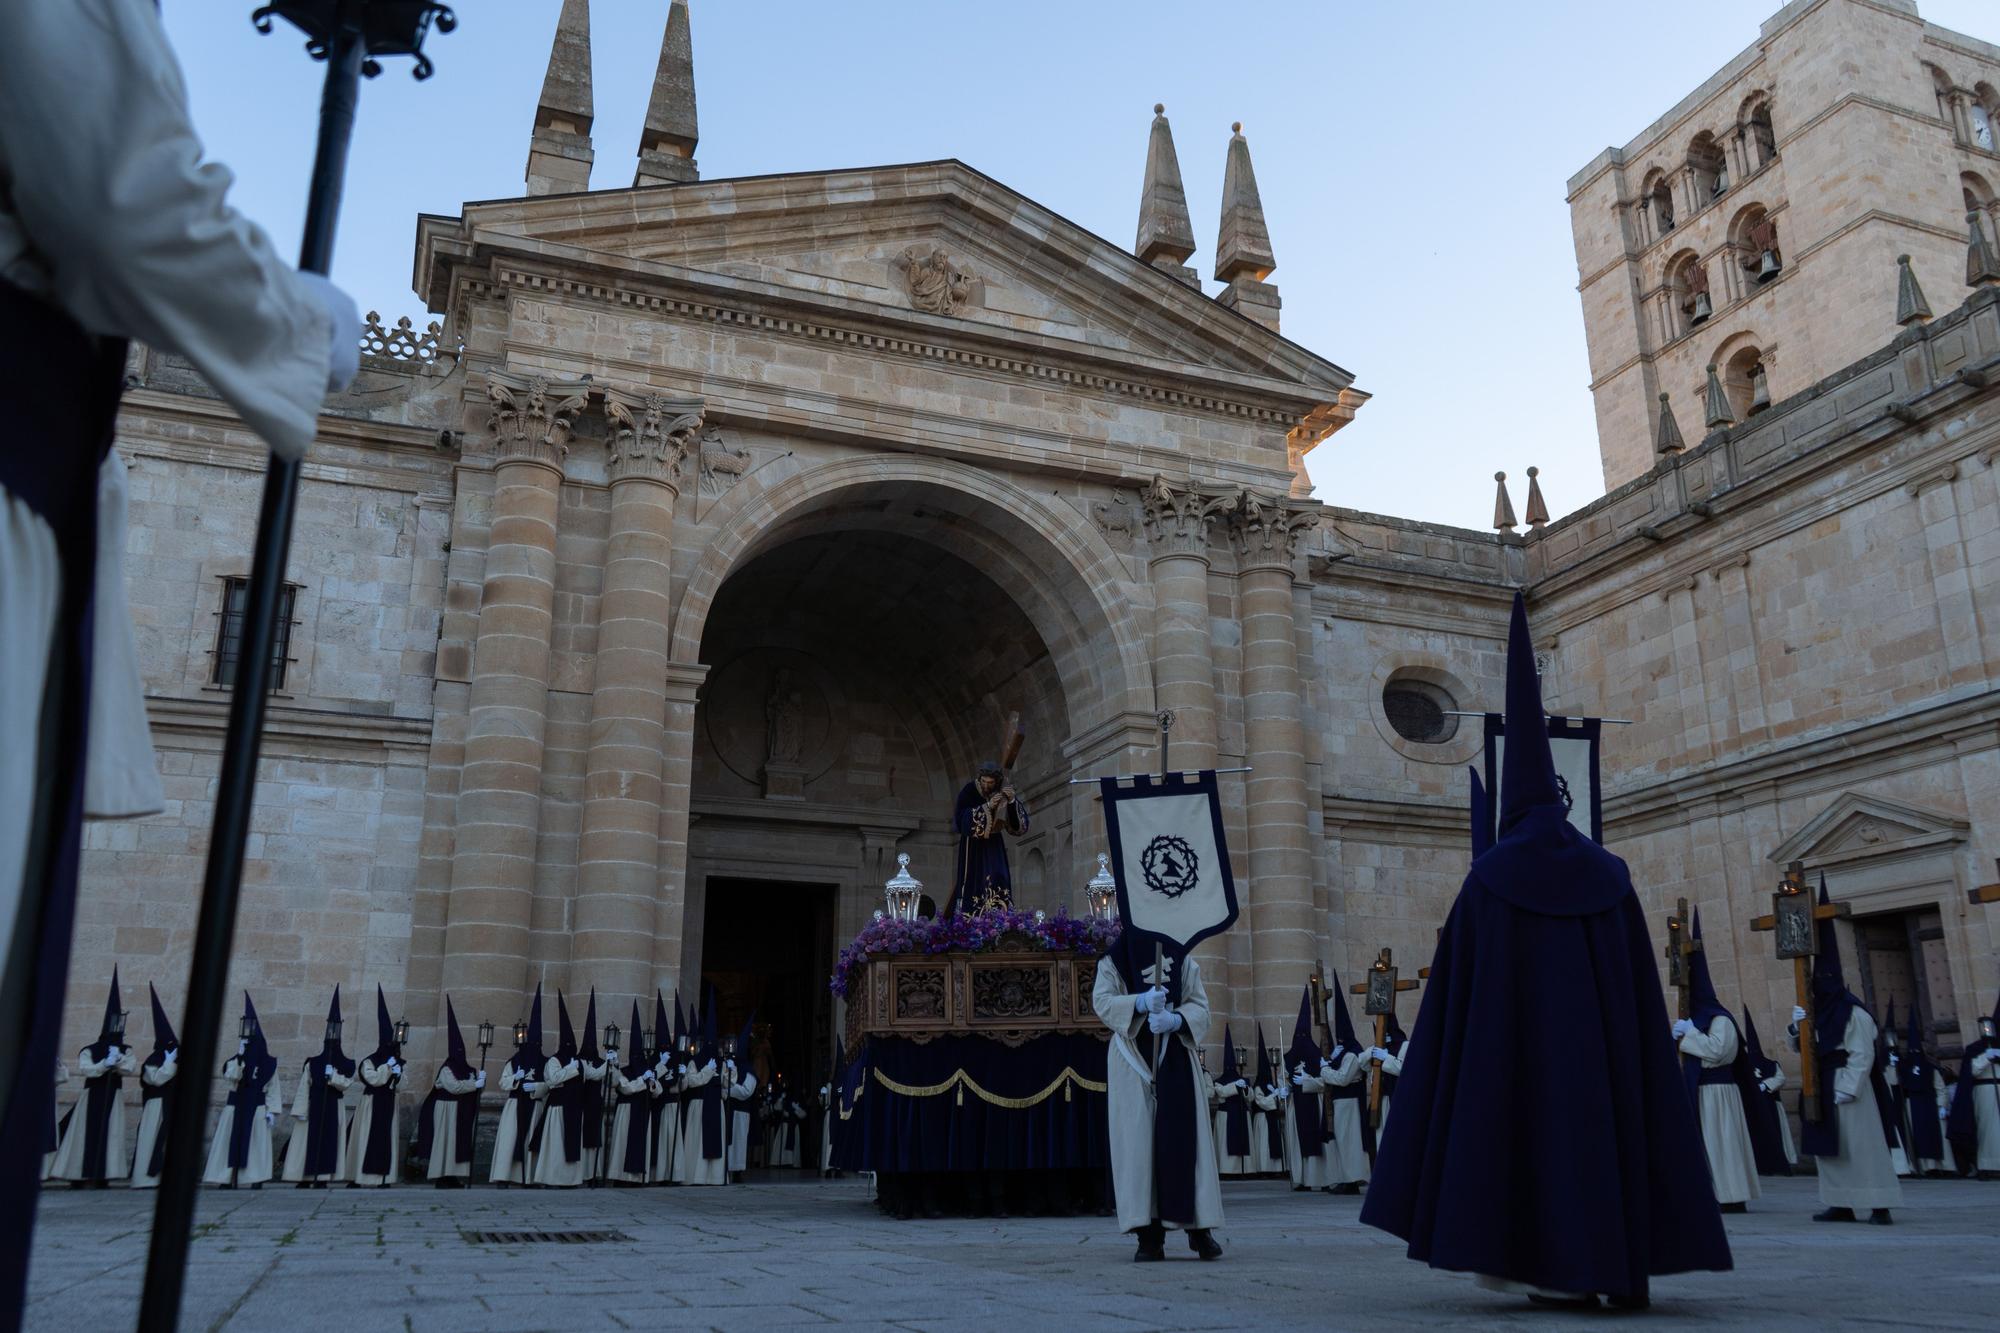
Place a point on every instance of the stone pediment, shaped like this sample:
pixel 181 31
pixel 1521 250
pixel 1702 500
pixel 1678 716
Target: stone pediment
pixel 1857 826
pixel 925 243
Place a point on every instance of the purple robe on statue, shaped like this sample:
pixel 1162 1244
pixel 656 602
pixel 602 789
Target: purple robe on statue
pixel 980 878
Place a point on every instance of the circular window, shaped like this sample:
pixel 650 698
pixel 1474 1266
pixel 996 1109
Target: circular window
pixel 1420 711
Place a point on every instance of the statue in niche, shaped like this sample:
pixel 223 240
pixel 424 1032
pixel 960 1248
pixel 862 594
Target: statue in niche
pixel 937 285
pixel 784 714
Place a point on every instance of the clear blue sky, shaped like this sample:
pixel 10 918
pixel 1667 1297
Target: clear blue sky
pixel 1412 159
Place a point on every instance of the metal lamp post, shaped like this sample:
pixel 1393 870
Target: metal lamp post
pixel 348 35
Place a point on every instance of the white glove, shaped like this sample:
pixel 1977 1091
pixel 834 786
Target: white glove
pixel 527 1086
pixel 1682 1026
pixel 1153 1001
pixel 1892 1059
pixel 730 1065
pixel 480 1081
pixel 680 1071
pixel 343 353
pixel 1798 1014
pixel 1163 1021
pixel 708 1068
pixel 270 1117
pixel 111 1055
pixel 1944 1113
pixel 1380 1053
pixel 242 1046
pixel 1240 1084
pixel 329 1071
pixel 173 1054
pixel 1299 1079
pixel 1842 1098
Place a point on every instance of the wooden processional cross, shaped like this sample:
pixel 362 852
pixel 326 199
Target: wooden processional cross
pixel 1794 924
pixel 1381 988
pixel 1682 946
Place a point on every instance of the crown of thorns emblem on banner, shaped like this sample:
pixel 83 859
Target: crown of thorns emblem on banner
pixel 1170 865
pixel 1562 786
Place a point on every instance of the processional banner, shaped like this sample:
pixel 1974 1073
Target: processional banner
pixel 1170 858
pixel 1574 742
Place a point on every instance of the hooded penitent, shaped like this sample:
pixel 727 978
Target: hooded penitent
pixel 641 1117
pixel 1306 1110
pixel 102 1092
pixel 1482 816
pixel 1833 1006
pixel 1345 1042
pixel 164 1040
pixel 710 1093
pixel 466 1105
pixel 247 1099
pixel 323 1128
pixel 592 1095
pixel 1761 1109
pixel 567 1096
pixel 378 1155
pixel 1914 1079
pixel 1579 1173
pixel 669 1041
pixel 527 1061
pixel 1236 1110
pixel 1704 1007
pixel 1274 1125
pixel 1963 1126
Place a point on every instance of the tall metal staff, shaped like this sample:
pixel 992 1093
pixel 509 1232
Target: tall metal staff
pixel 348 35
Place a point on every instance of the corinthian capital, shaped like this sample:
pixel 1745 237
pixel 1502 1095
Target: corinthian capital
pixel 1177 517
pixel 1266 528
pixel 532 415
pixel 651 434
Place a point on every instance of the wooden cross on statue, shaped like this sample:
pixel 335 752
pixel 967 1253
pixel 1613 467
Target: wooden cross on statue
pixel 1381 987
pixel 1681 948
pixel 1794 924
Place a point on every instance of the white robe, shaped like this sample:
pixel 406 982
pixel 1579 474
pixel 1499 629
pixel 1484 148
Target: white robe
pixel 517 1126
pixel 1220 1095
pixel 62 1077
pixel 257 1157
pixel 1265 1105
pixel 739 1094
pixel 69 1153
pixel 295 1151
pixel 362 1122
pixel 549 1165
pixel 1391 1068
pixel 1129 1100
pixel 1860 1176
pixel 667 1147
pixel 787 1136
pixel 631 1116
pixel 694 1168
pixel 152 1122
pixel 1986 1108
pixel 1307 1172
pixel 444 1129
pixel 1348 1154
pixel 1732 1162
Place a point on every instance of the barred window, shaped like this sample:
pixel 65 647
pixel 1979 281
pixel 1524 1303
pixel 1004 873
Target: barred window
pixel 229 632
pixel 1419 711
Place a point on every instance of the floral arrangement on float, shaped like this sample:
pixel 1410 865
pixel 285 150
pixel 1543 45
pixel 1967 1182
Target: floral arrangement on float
pixel 900 931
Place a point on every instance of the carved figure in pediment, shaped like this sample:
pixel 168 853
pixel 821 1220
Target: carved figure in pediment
pixel 721 466
pixel 937 286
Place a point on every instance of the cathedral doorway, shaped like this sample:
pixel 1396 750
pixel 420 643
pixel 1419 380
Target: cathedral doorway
pixel 767 947
pixel 1904 962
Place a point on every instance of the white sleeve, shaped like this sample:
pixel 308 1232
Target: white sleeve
pixel 453 1084
pixel 1859 1043
pixel 105 175
pixel 1393 1065
pixel 374 1075
pixel 274 1095
pixel 510 1078
pixel 1715 1047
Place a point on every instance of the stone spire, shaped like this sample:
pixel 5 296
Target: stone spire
pixel 1981 268
pixel 1715 403
pixel 1669 440
pixel 1911 307
pixel 1503 505
pixel 1243 256
pixel 1166 232
pixel 559 153
pixel 1538 509
pixel 666 145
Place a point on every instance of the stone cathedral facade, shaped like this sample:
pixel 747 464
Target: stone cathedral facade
pixel 648 606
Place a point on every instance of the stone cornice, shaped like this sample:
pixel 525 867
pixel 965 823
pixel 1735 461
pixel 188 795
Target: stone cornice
pixel 199 723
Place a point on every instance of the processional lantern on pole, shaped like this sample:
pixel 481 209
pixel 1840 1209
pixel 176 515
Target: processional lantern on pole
pixel 350 36
pixel 1101 893
pixel 904 891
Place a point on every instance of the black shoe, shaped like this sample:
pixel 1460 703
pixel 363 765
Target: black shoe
pixel 1880 1218
pixel 303 1185
pixel 1735 1207
pixel 1204 1244
pixel 1587 1301
pixel 1149 1254
pixel 1351 1187
pixel 1301 1189
pixel 1629 1302
pixel 1989 1175
pixel 1834 1215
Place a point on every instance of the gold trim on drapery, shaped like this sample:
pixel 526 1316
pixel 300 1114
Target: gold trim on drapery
pixel 1064 1082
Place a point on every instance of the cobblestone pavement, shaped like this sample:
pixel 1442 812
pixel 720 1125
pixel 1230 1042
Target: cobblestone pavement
pixel 806 1253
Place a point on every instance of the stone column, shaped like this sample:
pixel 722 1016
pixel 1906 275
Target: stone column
pixel 683 684
pixel 1958 616
pixel 619 847
pixel 1183 670
pixel 499 797
pixel 1266 532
